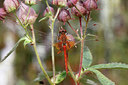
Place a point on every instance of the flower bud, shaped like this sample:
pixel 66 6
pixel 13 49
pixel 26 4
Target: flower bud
pixel 30 2
pixel 61 3
pixel 80 7
pixel 64 15
pixel 11 5
pixel 71 3
pixel 2 13
pixel 47 11
pixel 90 4
pixel 23 12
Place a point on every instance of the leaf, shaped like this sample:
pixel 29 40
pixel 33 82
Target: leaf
pixel 110 65
pixel 88 80
pixel 104 80
pixel 87 58
pixel 91 82
pixel 27 40
pixel 41 76
pixel 60 77
pixel 21 39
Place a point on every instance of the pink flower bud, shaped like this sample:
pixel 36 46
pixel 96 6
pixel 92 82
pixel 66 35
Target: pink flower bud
pixel 47 11
pixel 79 6
pixel 30 2
pixel 61 3
pixel 23 12
pixel 11 5
pixel 71 3
pixel 90 4
pixel 64 15
pixel 2 13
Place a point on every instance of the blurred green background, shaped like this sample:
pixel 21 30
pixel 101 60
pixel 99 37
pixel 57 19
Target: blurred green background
pixel 111 19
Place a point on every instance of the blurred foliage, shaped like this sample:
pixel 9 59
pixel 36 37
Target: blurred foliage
pixel 26 70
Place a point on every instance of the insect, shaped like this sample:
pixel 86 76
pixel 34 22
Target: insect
pixel 65 42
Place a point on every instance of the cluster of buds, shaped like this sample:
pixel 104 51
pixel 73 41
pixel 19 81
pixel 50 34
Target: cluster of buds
pixel 78 8
pixel 26 14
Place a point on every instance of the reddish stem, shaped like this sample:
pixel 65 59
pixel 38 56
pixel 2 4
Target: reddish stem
pixel 81 27
pixel 66 58
pixel 81 59
pixel 82 47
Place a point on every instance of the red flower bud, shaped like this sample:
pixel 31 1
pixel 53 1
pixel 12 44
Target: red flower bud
pixel 64 15
pixel 71 3
pixel 30 2
pixel 61 3
pixel 2 13
pixel 46 11
pixel 79 6
pixel 11 5
pixel 23 12
pixel 90 4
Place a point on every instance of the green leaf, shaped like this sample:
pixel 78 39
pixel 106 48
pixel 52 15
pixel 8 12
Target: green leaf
pixel 27 40
pixel 60 77
pixel 41 76
pixel 88 80
pixel 104 80
pixel 87 58
pixel 23 38
pixel 110 65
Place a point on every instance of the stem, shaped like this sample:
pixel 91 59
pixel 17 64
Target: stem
pixel 27 14
pixel 72 74
pixel 58 10
pixel 74 30
pixel 53 57
pixel 81 27
pixel 52 32
pixel 82 46
pixel 22 26
pixel 38 58
pixel 81 59
pixel 87 23
pixel 49 8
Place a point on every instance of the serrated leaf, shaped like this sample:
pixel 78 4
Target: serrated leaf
pixel 87 58
pixel 27 41
pixel 104 80
pixel 110 65
pixel 23 38
pixel 60 77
